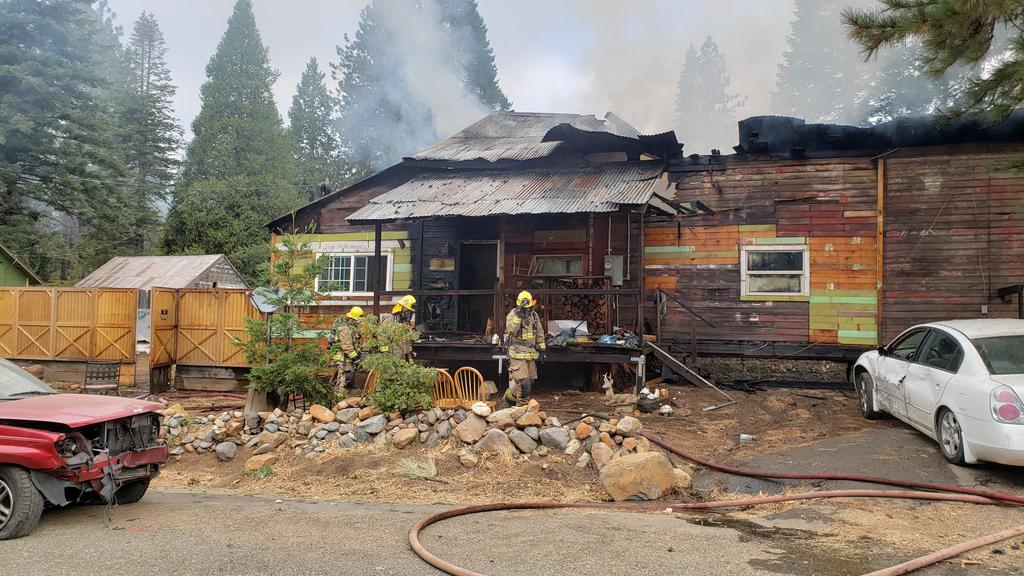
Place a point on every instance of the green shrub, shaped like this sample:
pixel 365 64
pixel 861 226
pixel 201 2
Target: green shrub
pixel 403 386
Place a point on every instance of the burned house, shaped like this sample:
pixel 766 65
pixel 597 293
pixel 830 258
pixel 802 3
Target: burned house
pixel 829 239
pixel 551 203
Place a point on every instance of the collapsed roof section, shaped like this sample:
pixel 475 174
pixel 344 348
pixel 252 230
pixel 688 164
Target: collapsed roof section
pixel 524 136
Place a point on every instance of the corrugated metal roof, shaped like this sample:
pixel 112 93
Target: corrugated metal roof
pixel 591 188
pixel 145 272
pixel 518 136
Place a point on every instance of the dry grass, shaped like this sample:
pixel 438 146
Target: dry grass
pixel 417 468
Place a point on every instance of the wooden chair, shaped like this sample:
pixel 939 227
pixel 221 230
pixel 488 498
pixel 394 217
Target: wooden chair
pixel 102 378
pixel 469 383
pixel 370 384
pixel 445 394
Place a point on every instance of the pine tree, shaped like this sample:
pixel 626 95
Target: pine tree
pixel 57 160
pixel 468 36
pixel 311 127
pixel 954 33
pixel 705 111
pixel 820 78
pixel 381 117
pixel 238 171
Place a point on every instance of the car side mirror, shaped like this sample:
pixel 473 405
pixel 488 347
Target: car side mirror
pixel 882 351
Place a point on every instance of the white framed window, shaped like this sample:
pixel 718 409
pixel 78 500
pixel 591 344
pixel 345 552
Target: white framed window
pixel 349 274
pixel 769 271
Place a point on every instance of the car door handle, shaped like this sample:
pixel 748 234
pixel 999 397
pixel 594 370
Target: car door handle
pixel 903 379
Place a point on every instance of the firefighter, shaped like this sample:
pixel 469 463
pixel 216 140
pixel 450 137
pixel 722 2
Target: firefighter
pixel 524 338
pixel 344 340
pixel 401 313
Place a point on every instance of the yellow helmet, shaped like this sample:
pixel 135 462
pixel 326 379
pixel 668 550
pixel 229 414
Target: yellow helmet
pixel 356 313
pixel 525 299
pixel 408 302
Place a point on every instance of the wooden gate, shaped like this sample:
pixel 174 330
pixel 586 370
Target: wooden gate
pixel 163 337
pixel 209 321
pixel 73 324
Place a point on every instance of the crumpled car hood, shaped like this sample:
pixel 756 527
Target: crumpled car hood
pixel 74 410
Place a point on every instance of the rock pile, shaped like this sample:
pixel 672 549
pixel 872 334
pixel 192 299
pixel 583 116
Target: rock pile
pixel 613 448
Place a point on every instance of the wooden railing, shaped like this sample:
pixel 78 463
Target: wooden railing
pixel 663 297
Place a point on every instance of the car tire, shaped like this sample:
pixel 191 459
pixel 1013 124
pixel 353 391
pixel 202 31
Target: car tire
pixel 132 492
pixel 22 504
pixel 866 396
pixel 950 437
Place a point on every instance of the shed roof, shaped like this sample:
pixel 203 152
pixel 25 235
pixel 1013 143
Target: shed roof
pixel 586 188
pixel 145 272
pixel 20 264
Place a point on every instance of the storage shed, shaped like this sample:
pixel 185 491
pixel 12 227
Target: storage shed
pixel 15 272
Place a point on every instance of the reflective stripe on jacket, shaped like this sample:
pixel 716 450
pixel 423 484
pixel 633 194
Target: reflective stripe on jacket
pixel 526 336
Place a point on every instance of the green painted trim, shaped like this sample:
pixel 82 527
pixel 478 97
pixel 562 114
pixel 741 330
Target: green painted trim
pixel 399 268
pixel 786 240
pixel 779 298
pixel 861 341
pixel 865 334
pixel 668 249
pixel 844 300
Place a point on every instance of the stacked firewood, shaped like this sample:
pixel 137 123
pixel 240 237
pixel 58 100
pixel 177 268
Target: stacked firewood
pixel 593 309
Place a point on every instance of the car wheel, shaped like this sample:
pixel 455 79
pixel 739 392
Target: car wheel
pixel 951 439
pixel 866 395
pixel 21 504
pixel 132 492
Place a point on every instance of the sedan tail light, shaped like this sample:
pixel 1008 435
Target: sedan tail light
pixel 1006 406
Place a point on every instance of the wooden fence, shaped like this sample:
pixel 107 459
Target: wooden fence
pixel 70 324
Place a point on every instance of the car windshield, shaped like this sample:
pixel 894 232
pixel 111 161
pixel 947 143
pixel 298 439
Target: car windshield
pixel 1002 354
pixel 16 383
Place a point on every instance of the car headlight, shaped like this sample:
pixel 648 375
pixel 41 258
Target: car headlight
pixel 1006 406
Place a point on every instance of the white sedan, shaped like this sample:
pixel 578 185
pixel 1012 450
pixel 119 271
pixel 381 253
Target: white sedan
pixel 959 382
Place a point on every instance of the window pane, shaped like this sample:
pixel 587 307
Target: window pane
pixel 359 274
pixel 942 352
pixel 905 348
pixel 345 273
pixel 558 266
pixel 775 283
pixel 774 261
pixel 1002 354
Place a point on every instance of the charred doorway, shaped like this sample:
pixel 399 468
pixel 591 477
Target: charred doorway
pixel 478 270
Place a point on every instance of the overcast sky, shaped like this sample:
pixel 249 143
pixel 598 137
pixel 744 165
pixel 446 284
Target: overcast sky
pixel 579 56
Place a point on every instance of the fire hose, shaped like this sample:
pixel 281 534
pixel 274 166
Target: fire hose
pixel 922 491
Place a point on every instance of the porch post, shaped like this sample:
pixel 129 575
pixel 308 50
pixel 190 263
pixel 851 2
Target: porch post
pixel 378 268
pixel 499 296
pixel 641 280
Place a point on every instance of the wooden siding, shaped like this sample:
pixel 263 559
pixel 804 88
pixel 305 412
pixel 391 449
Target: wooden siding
pixel 954 234
pixel 826 205
pixel 10 274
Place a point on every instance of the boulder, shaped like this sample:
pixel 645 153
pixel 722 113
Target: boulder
pixel 321 413
pixel 481 409
pixel 522 440
pixel 533 432
pixel 496 442
pixel 552 421
pixel 471 429
pixel 643 445
pixel 252 420
pixel 682 480
pixel 507 413
pixel 529 419
pixel 274 439
pixel 583 430
pixel 503 423
pixel 347 415
pixel 554 438
pixel 646 476
pixel 368 412
pixel 572 446
pixel 533 406
pixel 629 444
pixel 601 455
pixel 373 424
pixel 304 428
pixel 584 460
pixel 404 437
pixel 176 451
pixel 628 426
pixel 260 460
pixel 444 429
pixel 226 451
pixel 262 449
pixel 346 441
pixel 606 439
pixel 361 436
pixel 468 458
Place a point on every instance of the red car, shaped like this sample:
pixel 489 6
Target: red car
pixel 56 449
